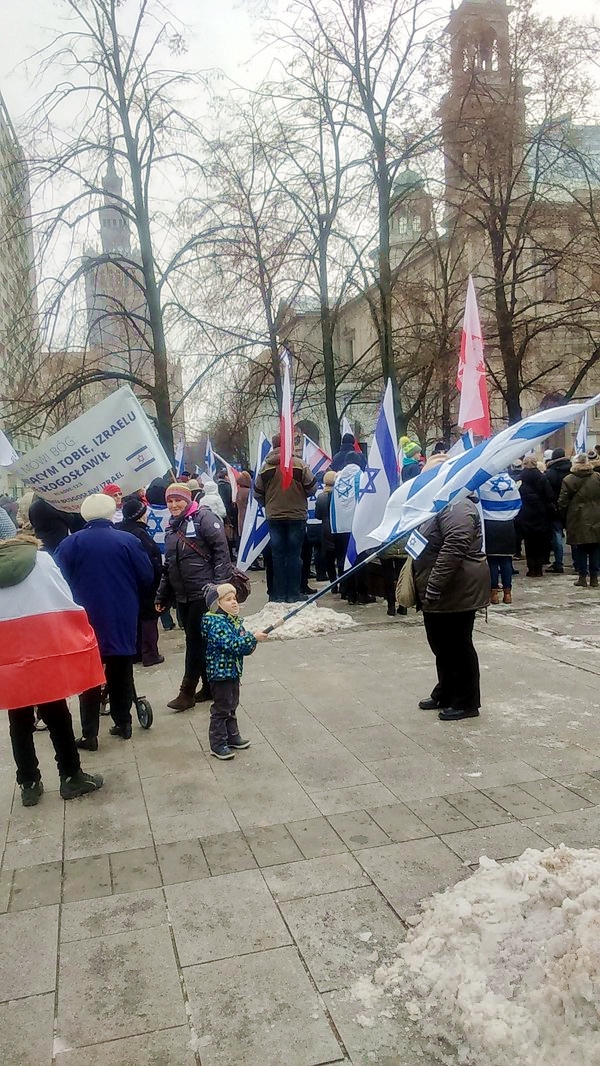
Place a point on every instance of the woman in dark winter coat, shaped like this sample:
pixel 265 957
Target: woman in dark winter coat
pixel 452 582
pixel 534 523
pixel 579 505
pixel 135 517
pixel 196 555
pixel 500 505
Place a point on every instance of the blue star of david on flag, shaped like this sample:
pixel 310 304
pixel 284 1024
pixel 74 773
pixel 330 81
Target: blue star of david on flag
pixel 377 481
pixel 369 486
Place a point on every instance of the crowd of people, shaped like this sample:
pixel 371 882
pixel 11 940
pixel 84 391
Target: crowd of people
pixel 106 570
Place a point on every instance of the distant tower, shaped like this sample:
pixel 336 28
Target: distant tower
pixel 116 306
pixel 411 214
pixel 483 113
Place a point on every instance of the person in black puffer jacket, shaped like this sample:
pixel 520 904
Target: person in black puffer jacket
pixel 557 469
pixel 196 555
pixel 534 521
pixel 135 516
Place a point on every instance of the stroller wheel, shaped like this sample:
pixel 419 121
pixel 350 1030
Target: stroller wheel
pixel 144 712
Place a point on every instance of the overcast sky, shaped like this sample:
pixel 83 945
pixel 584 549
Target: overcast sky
pixel 222 35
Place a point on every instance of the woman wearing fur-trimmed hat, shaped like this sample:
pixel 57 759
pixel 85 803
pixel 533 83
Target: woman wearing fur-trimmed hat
pixel 196 555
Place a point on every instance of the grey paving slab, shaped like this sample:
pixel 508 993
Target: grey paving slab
pixel 273 844
pixel 225 916
pixel 226 853
pixel 314 837
pixel 379 1036
pixel 27 1031
pixel 261 790
pixel 278 1016
pixel 355 798
pixel 312 877
pixel 130 978
pixel 343 935
pixel 375 743
pixel 399 822
pixel 36 886
pixel 566 759
pixel 585 785
pixel 255 693
pixel 6 880
pixel 479 809
pixel 410 871
pixel 186 806
pixel 86 878
pixel 358 830
pixel 413 779
pixel 109 820
pixel 496 841
pixel 134 870
pixel 440 816
pixel 35 834
pixel 182 860
pixel 555 796
pixel 517 801
pixel 113 914
pixel 498 772
pixel 340 714
pixel 167 1047
pixel 576 829
pixel 28 942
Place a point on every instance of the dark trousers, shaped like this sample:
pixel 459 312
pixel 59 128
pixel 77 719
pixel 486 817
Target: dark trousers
pixel 501 567
pixel 191 615
pixel 391 568
pixel 119 684
pixel 328 571
pixel 21 724
pixel 558 544
pixel 537 551
pixel 287 537
pixel 353 587
pixel 450 638
pixel 584 552
pixel 223 722
pixel 148 640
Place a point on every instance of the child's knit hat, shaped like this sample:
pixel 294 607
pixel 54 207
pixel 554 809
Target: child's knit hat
pixel 214 594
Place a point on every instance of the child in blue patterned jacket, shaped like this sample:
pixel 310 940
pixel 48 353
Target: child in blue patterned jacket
pixel 226 643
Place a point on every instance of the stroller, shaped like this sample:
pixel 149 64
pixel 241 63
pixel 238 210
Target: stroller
pixel 143 707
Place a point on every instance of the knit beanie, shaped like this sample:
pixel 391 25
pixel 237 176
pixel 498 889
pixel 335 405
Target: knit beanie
pixel 112 490
pixel 193 484
pixel 178 491
pixel 98 505
pixel 133 508
pixel 558 453
pixel 213 594
pixel 347 440
pixel 411 448
pixel 547 455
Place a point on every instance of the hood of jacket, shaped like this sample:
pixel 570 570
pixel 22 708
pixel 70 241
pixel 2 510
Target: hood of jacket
pixel 559 464
pixel 17 559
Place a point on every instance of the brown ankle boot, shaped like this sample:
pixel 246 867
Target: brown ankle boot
pixel 581 582
pixel 494 596
pixel 185 700
pixel 593 581
pixel 507 596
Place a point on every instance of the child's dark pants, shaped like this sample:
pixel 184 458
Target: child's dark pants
pixel 223 722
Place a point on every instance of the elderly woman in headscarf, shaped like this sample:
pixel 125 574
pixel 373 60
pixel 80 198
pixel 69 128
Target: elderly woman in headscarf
pixel 196 555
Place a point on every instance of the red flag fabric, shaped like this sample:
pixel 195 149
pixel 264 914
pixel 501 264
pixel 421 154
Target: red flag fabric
pixel 474 410
pixel 286 459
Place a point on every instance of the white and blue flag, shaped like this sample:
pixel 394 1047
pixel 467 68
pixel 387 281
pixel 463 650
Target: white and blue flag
pixel 179 458
pixel 417 500
pixel 582 435
pixel 255 531
pixel 314 456
pixel 500 498
pixel 377 482
pixel 210 461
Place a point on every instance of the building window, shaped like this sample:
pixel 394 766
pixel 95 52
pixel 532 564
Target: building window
pixel 550 285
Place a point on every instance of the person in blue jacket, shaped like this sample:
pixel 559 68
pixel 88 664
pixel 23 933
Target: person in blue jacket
pixel 226 644
pixel 108 572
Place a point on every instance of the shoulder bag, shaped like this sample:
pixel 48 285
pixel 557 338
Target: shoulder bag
pixel 239 580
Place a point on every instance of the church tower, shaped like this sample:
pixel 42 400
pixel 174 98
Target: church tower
pixel 114 225
pixel 483 113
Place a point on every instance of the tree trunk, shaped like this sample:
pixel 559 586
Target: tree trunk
pixel 506 342
pixel 328 356
pixel 386 347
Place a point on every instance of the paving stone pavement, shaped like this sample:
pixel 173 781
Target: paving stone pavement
pixel 224 914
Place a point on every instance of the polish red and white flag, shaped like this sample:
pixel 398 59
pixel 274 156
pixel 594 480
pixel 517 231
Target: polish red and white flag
pixel 286 458
pixel 48 649
pixel 474 410
pixel 347 428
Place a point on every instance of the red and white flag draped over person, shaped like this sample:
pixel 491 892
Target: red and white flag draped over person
pixel 474 410
pixel 48 649
pixel 286 456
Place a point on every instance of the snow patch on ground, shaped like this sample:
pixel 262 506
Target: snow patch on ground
pixel 504 967
pixel 310 622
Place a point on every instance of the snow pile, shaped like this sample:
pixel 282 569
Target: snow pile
pixel 310 622
pixel 505 966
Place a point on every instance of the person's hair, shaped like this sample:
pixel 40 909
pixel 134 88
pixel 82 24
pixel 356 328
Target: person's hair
pixel 530 461
pixel 277 440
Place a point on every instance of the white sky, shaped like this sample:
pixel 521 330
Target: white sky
pixel 222 35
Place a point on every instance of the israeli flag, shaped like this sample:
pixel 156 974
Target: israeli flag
pixel 417 500
pixel 377 482
pixel 582 434
pixel 179 458
pixel 209 460
pixel 255 531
